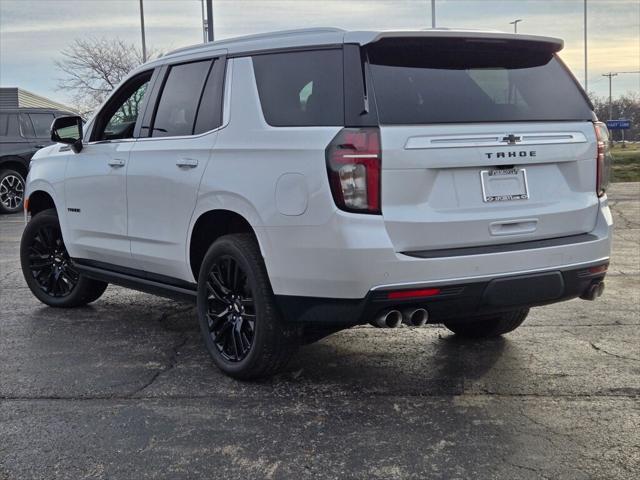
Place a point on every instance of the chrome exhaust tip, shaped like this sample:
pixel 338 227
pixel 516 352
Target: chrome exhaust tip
pixel 594 291
pixel 388 319
pixel 415 317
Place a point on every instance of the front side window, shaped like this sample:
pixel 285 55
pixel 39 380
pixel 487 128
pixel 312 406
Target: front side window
pixel 301 88
pixel 119 117
pixel 178 105
pixel 42 124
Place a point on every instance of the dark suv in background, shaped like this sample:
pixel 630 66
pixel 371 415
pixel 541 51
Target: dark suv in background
pixel 23 131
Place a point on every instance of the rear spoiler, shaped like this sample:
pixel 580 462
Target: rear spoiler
pixel 365 37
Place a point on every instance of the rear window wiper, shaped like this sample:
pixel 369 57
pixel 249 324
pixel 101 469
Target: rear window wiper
pixel 364 62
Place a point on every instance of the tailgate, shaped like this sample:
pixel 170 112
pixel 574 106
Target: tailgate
pixel 484 141
pixel 432 183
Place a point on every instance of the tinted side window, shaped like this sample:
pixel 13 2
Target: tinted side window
pixel 210 109
pixel 4 123
pixel 26 127
pixel 118 118
pixel 301 88
pixel 42 124
pixel 178 105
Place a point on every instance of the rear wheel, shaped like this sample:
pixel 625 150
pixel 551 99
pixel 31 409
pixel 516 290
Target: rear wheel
pixel 47 268
pixel 485 327
pixel 11 191
pixel 239 321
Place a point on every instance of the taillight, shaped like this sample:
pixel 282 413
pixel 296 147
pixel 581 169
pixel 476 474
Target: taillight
pixel 353 164
pixel 603 158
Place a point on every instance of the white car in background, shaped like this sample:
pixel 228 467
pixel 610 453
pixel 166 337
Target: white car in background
pixel 298 183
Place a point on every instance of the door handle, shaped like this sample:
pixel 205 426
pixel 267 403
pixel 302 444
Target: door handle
pixel 116 162
pixel 187 162
pixel 38 147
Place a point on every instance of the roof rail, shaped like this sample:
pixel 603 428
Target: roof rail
pixel 257 36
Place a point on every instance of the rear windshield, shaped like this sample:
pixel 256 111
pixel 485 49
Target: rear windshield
pixel 418 81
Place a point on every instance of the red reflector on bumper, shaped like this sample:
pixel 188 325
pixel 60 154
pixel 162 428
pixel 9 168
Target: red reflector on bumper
pixel 599 268
pixel 425 292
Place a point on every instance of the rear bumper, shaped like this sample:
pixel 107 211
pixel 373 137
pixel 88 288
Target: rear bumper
pixel 352 255
pixel 453 300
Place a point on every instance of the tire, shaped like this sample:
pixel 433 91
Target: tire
pixel 47 268
pixel 487 327
pixel 240 324
pixel 11 191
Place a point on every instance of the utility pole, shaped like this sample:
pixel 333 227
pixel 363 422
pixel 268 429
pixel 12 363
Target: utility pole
pixel 515 25
pixel 433 13
pixel 610 75
pixel 204 23
pixel 210 20
pixel 586 81
pixel 144 42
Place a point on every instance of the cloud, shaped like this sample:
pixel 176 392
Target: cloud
pixel 33 32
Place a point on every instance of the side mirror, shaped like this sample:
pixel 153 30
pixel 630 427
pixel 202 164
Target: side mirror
pixel 68 130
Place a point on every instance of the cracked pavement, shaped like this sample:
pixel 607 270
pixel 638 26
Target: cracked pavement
pixel 124 389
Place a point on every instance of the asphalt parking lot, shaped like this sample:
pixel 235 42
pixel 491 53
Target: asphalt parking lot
pixel 124 389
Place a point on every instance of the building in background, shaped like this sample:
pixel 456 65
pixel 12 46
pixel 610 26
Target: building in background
pixel 14 97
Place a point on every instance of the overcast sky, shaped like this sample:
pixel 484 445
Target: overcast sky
pixel 33 32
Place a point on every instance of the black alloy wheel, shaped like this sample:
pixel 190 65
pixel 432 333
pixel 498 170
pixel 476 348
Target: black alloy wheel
pixel 231 314
pixel 48 269
pixel 240 322
pixel 49 263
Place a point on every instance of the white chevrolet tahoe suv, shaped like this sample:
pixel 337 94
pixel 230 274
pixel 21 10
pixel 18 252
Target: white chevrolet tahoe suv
pixel 298 183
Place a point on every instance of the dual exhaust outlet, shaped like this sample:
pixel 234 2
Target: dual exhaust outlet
pixel 392 318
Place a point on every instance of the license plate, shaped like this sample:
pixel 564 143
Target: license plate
pixel 501 185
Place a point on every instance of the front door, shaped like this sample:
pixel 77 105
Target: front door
pixel 96 182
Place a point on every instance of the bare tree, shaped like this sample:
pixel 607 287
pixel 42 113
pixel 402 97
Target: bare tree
pixel 625 106
pixel 93 68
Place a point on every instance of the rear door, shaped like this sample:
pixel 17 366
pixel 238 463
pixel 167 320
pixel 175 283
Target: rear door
pixel 484 142
pixel 166 167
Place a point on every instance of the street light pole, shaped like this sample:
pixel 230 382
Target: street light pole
pixel 586 81
pixel 210 20
pixel 515 25
pixel 204 23
pixel 433 13
pixel 144 42
pixel 610 75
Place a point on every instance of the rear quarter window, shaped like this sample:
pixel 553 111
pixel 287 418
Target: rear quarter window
pixel 42 124
pixel 299 89
pixel 422 81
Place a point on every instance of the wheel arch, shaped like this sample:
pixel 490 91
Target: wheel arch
pixel 14 163
pixel 208 227
pixel 38 201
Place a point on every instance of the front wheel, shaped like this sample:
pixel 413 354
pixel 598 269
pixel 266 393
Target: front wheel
pixel 486 327
pixel 47 268
pixel 239 321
